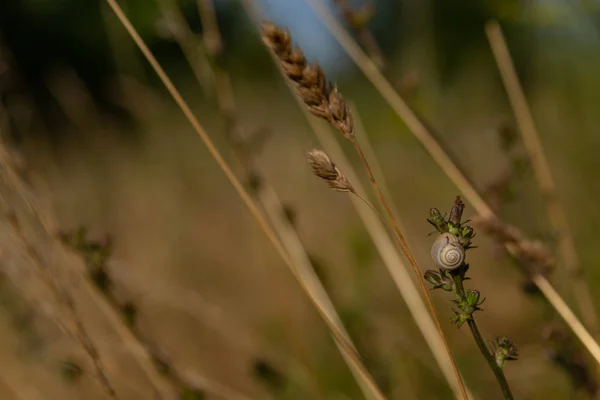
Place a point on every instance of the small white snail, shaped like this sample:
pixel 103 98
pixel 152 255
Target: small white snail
pixel 447 252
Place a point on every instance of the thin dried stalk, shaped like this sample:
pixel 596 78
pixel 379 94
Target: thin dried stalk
pixel 63 297
pixel 177 27
pixel 543 175
pixel 161 387
pixel 324 101
pixel 357 21
pixel 272 206
pixel 210 29
pixel 383 243
pixel 439 155
pixel 537 259
pixel 265 194
pixel 350 355
pixel 396 267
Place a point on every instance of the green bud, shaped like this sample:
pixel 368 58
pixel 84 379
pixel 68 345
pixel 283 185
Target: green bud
pixel 454 229
pixel 472 298
pixel 439 280
pixel 437 220
pixel 467 232
pixel 505 350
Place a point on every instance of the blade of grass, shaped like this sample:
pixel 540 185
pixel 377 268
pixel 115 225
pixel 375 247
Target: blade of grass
pixel 347 350
pixel 378 232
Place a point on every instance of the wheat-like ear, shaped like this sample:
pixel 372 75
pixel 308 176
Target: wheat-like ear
pixel 325 169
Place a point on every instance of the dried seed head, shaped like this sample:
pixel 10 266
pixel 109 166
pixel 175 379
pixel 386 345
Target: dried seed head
pixel 325 169
pixel 533 252
pixel 309 81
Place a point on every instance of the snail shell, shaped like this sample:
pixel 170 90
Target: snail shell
pixel 447 252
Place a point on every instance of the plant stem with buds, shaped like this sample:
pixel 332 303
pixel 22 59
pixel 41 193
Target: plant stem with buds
pixel 489 357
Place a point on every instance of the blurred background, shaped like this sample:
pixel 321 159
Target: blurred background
pixel 93 132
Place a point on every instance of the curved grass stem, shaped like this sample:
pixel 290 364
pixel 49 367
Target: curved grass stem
pixel 413 263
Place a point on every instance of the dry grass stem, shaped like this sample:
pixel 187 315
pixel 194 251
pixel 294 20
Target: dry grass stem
pixel 436 151
pixel 210 29
pixel 543 174
pixel 265 194
pixel 567 315
pixel 347 349
pixel 176 26
pixel 357 20
pixel 377 230
pixel 279 41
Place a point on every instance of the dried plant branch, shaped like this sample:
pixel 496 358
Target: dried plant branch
pixel 535 258
pixel 543 175
pixel 144 361
pixel 66 301
pixel 96 256
pixel 441 157
pixel 325 101
pixel 350 355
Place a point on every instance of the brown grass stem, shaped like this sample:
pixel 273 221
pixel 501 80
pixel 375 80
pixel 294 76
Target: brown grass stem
pixel 325 101
pixel 243 149
pixel 367 147
pixel 378 232
pixel 543 175
pixel 411 260
pixel 348 351
pixel 210 28
pixel 435 150
pixel 567 315
pixel 357 21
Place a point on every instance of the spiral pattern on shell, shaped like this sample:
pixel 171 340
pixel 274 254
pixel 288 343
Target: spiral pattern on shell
pixel 447 252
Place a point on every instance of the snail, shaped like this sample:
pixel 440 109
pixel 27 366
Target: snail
pixel 447 252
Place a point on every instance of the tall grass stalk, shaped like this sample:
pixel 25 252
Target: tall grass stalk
pixel 324 100
pixel 543 174
pixel 264 192
pixel 441 157
pixel 350 355
pixel 379 234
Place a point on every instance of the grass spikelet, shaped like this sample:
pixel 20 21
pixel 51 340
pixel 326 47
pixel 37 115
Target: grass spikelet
pixel 308 81
pixel 324 168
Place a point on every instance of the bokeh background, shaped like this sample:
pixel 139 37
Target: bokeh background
pixel 105 147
